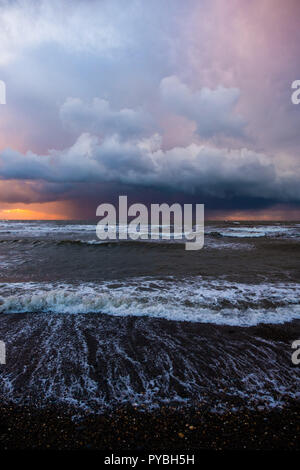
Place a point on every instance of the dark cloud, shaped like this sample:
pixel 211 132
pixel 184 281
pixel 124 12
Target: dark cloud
pixel 211 171
pixel 214 76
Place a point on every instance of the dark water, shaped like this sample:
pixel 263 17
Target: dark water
pixel 96 324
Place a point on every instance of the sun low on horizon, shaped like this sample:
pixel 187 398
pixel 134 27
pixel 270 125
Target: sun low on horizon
pixel 23 214
pixel 54 211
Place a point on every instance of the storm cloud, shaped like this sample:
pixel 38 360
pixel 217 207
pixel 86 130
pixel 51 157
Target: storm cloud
pixel 212 171
pixel 190 98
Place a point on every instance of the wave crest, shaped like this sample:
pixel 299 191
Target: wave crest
pixel 192 300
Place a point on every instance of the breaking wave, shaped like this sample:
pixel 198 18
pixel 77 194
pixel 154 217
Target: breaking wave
pixel 192 300
pixel 264 231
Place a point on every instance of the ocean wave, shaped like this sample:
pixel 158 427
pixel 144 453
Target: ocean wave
pixel 264 231
pixel 67 230
pixel 39 227
pixel 191 300
pixel 94 242
pixel 141 244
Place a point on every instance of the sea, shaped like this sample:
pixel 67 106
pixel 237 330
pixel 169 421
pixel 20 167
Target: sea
pixel 95 325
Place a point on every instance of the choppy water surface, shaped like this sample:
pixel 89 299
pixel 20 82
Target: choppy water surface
pixel 95 324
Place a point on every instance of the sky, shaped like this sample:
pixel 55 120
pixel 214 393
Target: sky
pixel 160 100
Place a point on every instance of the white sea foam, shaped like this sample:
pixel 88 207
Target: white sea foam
pixel 192 300
pixel 94 362
pixel 291 231
pixel 37 228
pixel 236 230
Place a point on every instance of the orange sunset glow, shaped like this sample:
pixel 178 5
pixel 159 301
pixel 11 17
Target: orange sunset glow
pixel 50 211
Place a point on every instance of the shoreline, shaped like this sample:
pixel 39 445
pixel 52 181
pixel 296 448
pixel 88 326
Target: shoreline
pixel 129 429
